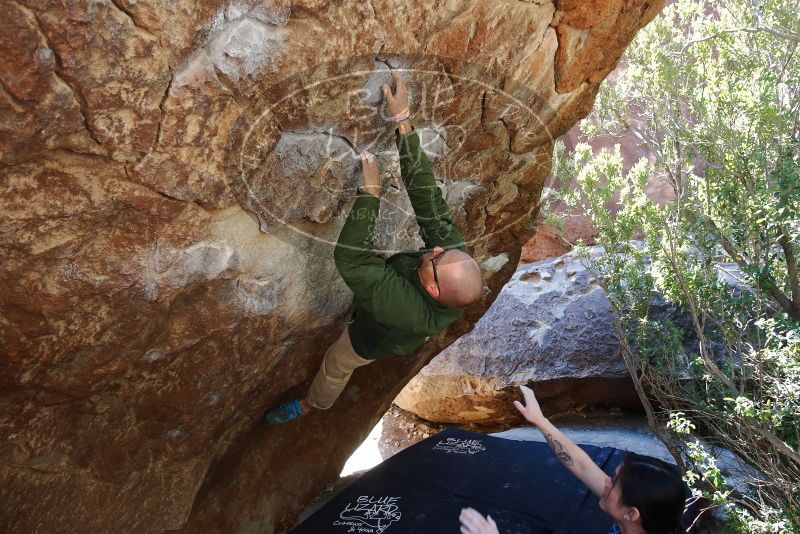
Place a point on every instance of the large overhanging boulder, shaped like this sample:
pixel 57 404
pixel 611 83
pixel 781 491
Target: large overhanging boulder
pixel 173 177
pixel 551 328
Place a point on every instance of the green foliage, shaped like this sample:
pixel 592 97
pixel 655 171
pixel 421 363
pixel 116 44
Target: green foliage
pixel 713 92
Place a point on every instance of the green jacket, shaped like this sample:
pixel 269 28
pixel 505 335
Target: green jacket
pixel 392 313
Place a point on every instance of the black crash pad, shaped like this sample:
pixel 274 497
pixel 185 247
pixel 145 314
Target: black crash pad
pixel 422 489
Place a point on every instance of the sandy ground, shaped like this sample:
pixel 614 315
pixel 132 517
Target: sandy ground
pixel 402 429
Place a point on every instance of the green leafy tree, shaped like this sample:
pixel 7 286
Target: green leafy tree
pixel 712 90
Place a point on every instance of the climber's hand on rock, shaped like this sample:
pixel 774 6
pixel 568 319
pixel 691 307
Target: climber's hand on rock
pixel 397 101
pixel 372 179
pixel 472 522
pixel 531 410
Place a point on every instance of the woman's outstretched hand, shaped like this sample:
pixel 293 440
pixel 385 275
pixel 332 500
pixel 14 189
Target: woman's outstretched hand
pixel 531 410
pixel 472 522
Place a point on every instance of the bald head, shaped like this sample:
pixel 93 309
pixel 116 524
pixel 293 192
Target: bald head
pixel 459 279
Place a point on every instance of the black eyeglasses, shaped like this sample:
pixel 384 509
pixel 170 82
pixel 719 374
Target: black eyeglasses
pixel 433 264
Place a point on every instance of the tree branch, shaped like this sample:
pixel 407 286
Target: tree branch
pixel 788 36
pixel 765 433
pixel 790 306
pixel 791 269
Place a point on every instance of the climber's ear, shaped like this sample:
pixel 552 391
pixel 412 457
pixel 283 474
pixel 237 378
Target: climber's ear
pixel 631 514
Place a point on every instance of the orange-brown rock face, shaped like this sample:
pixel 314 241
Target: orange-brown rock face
pixel 173 175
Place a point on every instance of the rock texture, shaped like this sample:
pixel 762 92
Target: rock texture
pixel 172 177
pixel 551 328
pixel 550 242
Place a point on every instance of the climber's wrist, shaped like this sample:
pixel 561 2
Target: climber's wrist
pixel 404 127
pixel 374 190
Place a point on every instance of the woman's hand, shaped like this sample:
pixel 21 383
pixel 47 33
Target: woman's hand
pixel 472 522
pixel 372 179
pixel 397 102
pixel 531 410
pixel 570 455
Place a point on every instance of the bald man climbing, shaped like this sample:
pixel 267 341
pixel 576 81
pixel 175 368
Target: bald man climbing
pixel 398 302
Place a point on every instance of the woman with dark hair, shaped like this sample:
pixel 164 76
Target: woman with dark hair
pixel 644 496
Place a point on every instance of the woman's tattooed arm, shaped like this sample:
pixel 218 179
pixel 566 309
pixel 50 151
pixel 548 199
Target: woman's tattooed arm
pixel 573 458
pixel 559 449
pixel 569 454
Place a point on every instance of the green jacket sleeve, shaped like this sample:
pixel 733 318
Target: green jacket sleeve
pixel 433 214
pixel 383 292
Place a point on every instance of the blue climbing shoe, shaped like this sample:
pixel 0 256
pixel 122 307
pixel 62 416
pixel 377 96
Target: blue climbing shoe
pixel 284 412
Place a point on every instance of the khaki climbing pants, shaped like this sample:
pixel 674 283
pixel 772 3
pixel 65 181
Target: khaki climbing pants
pixel 337 367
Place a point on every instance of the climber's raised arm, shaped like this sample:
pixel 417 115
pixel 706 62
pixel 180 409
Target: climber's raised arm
pixel 355 255
pixel 572 456
pixel 372 281
pixel 432 212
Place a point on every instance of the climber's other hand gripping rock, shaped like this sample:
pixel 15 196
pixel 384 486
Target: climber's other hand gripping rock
pixel 397 101
pixel 372 179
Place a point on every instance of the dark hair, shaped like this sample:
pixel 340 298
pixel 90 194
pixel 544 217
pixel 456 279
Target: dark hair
pixel 656 489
